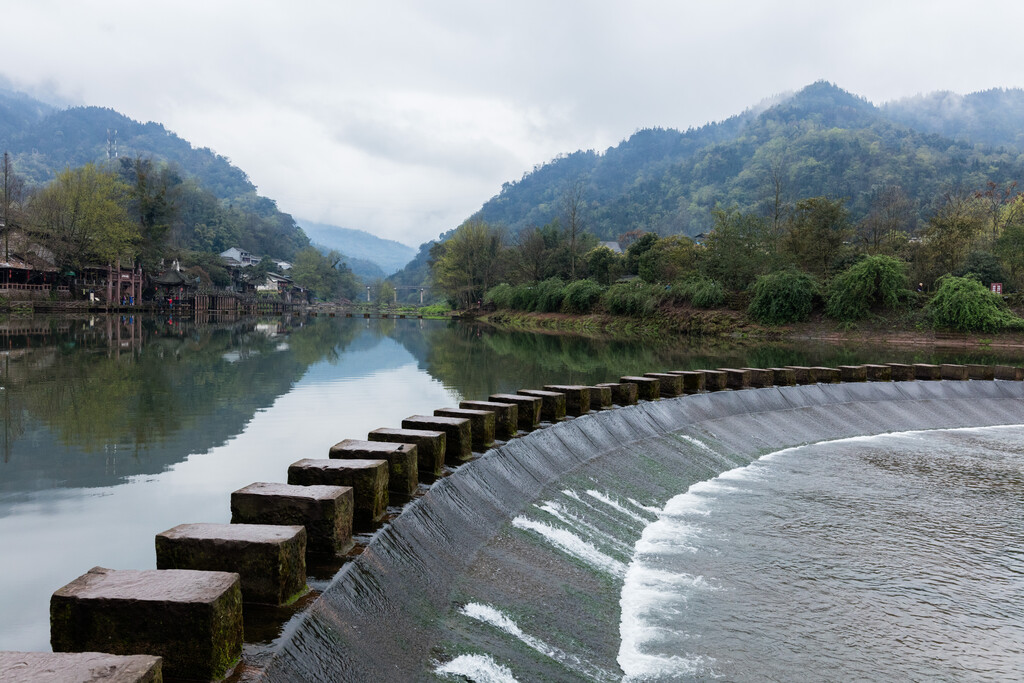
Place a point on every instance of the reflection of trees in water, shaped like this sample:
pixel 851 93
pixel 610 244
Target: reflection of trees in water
pixel 477 360
pixel 184 389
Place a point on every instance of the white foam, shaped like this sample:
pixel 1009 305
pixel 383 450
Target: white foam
pixel 503 622
pixel 479 668
pixel 580 524
pixel 568 542
pixel 615 505
pixel 697 442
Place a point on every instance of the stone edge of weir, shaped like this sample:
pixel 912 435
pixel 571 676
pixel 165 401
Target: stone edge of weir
pixel 508 477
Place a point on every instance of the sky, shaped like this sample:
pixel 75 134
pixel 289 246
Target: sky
pixel 402 118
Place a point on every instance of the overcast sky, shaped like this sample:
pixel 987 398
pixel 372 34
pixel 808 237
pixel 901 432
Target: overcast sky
pixel 402 117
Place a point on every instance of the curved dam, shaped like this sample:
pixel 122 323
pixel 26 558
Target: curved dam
pixel 513 568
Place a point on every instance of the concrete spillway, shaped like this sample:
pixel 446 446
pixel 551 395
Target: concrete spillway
pixel 392 613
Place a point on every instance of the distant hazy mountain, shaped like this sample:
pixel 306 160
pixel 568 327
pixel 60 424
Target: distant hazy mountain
pixel 993 117
pixel 360 245
pixel 821 140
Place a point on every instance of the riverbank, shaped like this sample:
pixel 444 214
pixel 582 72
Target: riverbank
pixel 668 323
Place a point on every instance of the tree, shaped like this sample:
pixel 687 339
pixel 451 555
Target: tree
pixel 891 213
pixel 10 202
pixel 81 218
pixel 153 202
pixel 738 249
pixel 818 234
pixel 468 263
pixel 573 202
pixel 951 230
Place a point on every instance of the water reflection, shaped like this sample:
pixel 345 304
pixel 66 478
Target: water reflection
pixel 115 429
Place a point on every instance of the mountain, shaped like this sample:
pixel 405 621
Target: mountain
pixel 821 140
pixel 44 140
pixel 359 245
pixel 992 117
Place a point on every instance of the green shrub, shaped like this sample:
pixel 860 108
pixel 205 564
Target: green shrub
pixel 631 298
pixel 500 295
pixel 434 310
pixel 786 296
pixel 963 303
pixel 524 297
pixel 581 296
pixel 701 291
pixel 877 281
pixel 550 294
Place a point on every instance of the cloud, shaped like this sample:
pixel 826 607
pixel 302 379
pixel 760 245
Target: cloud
pixel 402 117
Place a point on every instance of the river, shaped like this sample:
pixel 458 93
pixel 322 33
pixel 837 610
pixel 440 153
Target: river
pixel 115 429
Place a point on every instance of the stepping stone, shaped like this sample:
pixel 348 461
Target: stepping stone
pixel 853 373
pixel 402 459
pixel 577 397
pixel 925 371
pixel 429 446
pixel 879 373
pixel 954 372
pixel 648 388
pixel 529 408
pixel 693 382
pixel 325 511
pixel 714 380
pixel 192 619
pixel 506 416
pixel 623 393
pixel 481 423
pixel 670 385
pixel 984 372
pixel 55 667
pixel 828 375
pixel 368 480
pixel 1009 372
pixel 552 405
pixel 761 377
pixel 270 559
pixel 784 377
pixel 804 374
pixel 737 378
pixel 601 397
pixel 458 433
pixel 902 372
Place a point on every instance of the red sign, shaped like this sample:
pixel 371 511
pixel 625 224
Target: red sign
pixel 997 287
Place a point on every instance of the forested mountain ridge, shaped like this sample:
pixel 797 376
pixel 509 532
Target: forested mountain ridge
pixel 821 141
pixel 221 207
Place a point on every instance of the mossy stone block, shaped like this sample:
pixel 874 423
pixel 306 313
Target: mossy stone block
pixel 192 619
pixel 325 510
pixel 577 397
pixel 529 408
pixel 269 559
pixel 402 459
pixel 368 480
pixel 458 434
pixel 58 667
pixel 429 444
pixel 552 403
pixel 506 416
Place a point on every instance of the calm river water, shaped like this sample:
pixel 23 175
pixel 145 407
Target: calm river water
pixel 114 430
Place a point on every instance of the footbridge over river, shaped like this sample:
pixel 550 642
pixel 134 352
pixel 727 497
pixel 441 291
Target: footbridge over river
pixel 399 611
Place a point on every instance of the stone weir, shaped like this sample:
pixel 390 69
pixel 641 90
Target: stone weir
pixel 393 612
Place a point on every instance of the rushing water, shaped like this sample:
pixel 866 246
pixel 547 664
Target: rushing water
pixel 114 430
pixel 894 557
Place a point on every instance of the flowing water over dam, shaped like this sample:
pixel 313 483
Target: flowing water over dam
pixel 657 542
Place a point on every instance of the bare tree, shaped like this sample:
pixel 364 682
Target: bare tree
pixel 891 212
pixel 574 205
pixel 10 201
